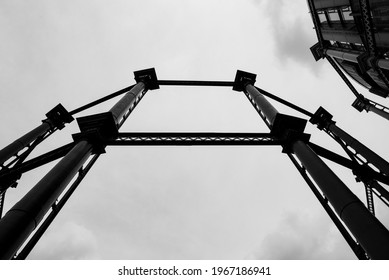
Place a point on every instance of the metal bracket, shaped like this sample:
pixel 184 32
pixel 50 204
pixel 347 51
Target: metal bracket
pixel 58 116
pixel 243 78
pixel 147 76
pixel 97 129
pixel 322 118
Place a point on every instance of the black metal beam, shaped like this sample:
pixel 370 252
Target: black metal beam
pixel 283 101
pixel 195 83
pixel 332 156
pixel 101 100
pixel 34 163
pixel 193 139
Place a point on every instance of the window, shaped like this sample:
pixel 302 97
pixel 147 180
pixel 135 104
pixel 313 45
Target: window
pixel 346 13
pixel 334 15
pixel 345 45
pixel 322 16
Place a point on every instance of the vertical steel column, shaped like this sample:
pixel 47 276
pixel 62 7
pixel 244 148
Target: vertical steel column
pixel 24 216
pixel 367 229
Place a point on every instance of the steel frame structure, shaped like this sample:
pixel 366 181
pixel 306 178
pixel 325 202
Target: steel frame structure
pixel 25 223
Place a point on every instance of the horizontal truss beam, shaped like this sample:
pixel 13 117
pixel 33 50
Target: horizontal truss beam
pixel 195 83
pixel 187 139
pixel 193 139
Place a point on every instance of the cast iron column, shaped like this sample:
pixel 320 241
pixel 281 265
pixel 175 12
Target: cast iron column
pixel 24 216
pixel 56 118
pixel 19 144
pixel 366 228
pixel 323 119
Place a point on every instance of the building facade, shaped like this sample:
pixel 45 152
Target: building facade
pixel 354 36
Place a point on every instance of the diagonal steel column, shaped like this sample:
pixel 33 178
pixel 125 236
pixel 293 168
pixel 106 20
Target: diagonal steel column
pixel 323 120
pixel 56 118
pixel 22 142
pixel 122 108
pixel 21 220
pixel 367 229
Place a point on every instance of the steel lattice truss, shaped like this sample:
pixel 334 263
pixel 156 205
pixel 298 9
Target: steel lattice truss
pixel 194 139
pixel 102 130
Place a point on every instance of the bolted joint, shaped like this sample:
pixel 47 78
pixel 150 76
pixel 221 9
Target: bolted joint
pixel 322 118
pixel 97 129
pixel 290 129
pixel 290 136
pixel 93 137
pixel 242 79
pixel 148 77
pixel 58 116
pixel 9 179
pixel 8 184
pixel 282 123
pixel 318 51
pixel 363 173
pixel 361 104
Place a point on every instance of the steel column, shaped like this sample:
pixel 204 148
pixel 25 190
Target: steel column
pixel 367 229
pixel 357 249
pixel 24 216
pixel 377 111
pixel 19 144
pixel 56 208
pixel 268 111
pixel 19 222
pixel 361 149
pixel 121 108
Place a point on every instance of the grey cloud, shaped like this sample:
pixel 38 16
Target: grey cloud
pixel 74 243
pixel 302 237
pixel 291 31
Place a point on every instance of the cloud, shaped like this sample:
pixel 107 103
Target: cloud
pixel 74 243
pixel 302 237
pixel 291 30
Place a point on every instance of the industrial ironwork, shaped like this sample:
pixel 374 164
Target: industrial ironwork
pixel 25 223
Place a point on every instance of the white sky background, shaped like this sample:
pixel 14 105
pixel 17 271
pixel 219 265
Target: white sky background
pixel 178 202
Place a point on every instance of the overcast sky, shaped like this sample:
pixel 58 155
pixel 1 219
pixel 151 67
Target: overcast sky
pixel 178 202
